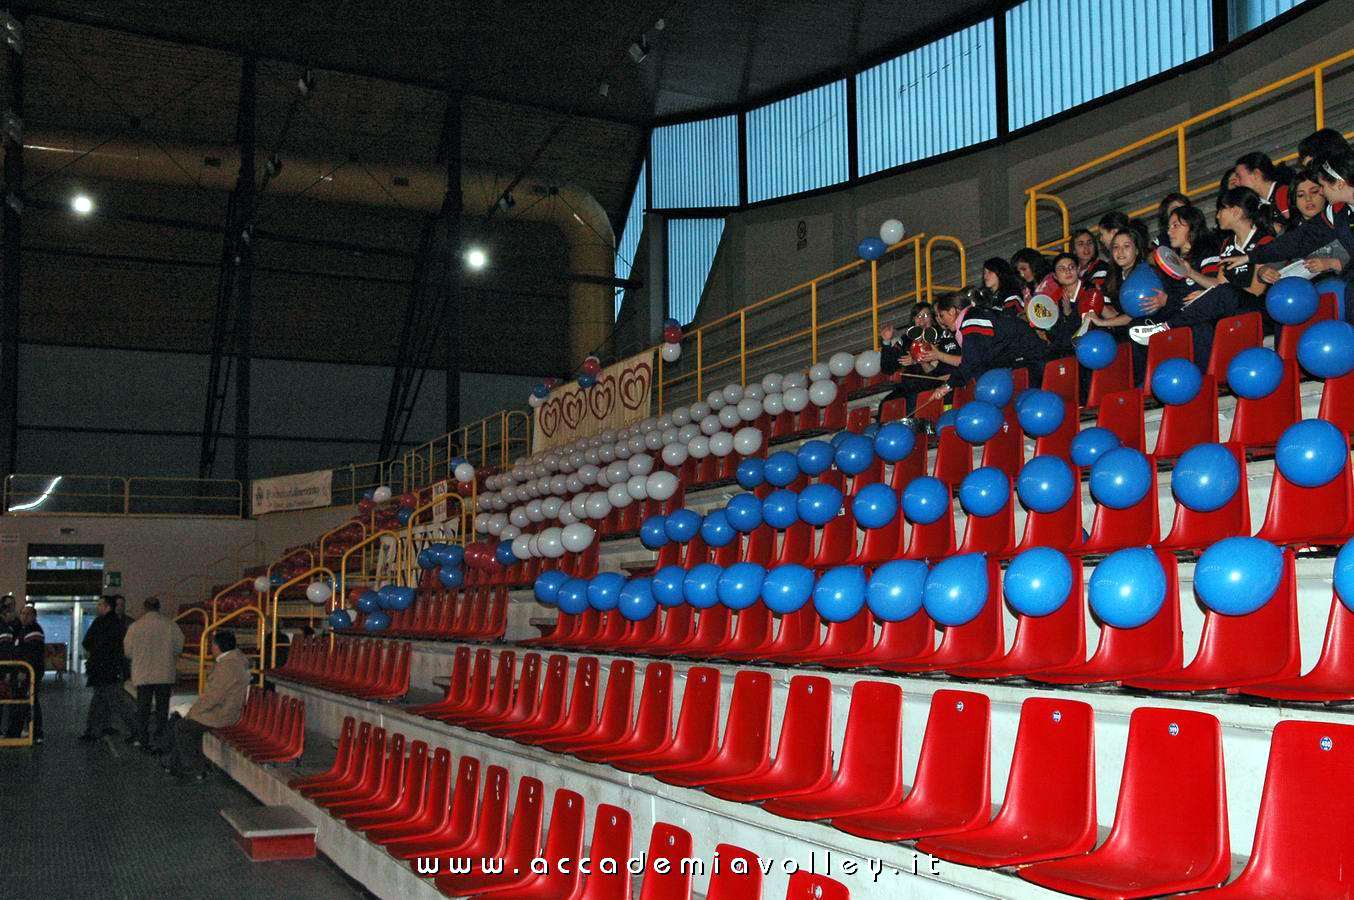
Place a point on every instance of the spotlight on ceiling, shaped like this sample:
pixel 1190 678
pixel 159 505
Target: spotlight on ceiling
pixel 82 204
pixel 639 50
pixel 476 258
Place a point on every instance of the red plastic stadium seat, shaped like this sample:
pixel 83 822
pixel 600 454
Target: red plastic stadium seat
pixel 977 641
pixel 803 761
pixel 954 456
pixel 751 631
pixel 1049 808
pixel 1138 525
pixel 934 540
pixel 546 711
pixel 428 813
pixel 1337 402
pixel 383 768
pixel 712 629
pixel 652 725
pixel 950 792
pixel 487 700
pixel 678 622
pixel 614 718
pixel 912 465
pixel 458 686
pixel 1041 642
pixel 581 713
pixel 1302 847
pixel 1170 827
pixel 563 842
pixel 1060 529
pixel 524 698
pixel 1173 343
pixel 1192 530
pixel 1185 424
pixel 1299 516
pixel 1230 336
pixel 1117 376
pixel 673 880
pixel 808 886
pixel 841 639
pixel 747 738
pixel 522 846
pixel 1121 413
pixel 739 875
pixel 403 795
pixel 456 824
pixel 1327 307
pixel 696 735
pixel 1331 680
pixel 349 736
pixel 896 642
pixel 1261 421
pixel 352 767
pixel 994 534
pixel 799 632
pixel 1062 376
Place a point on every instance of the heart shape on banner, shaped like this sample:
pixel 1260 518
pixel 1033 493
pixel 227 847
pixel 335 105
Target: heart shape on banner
pixel 601 399
pixel 572 408
pixel 548 417
pixel 635 386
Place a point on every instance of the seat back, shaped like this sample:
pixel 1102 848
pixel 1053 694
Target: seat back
pixel 654 719
pixel 1261 421
pixel 1117 376
pixel 1060 529
pixel 952 782
pixel 524 840
pixel 610 840
pixel 1050 790
pixel 1327 307
pixel 671 844
pixel 954 456
pixel 1185 424
pixel 1193 530
pixel 1134 526
pixel 698 720
pixel 808 886
pixel 805 743
pixel 1005 450
pixel 1121 412
pixel 1231 335
pixel 1337 402
pixel 1062 376
pixel 994 534
pixel 738 877
pixel 583 698
pixel 933 540
pixel 1173 343
pixel 1298 515
pixel 872 746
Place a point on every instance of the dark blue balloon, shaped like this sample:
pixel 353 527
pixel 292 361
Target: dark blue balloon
pixel 339 620
pixel 1238 575
pixel 1127 588
pixel 1291 300
pixel 895 589
pixel 1205 477
pixel 573 596
pixel 277 580
pixel 376 621
pixel 504 555
pixel 1254 372
pixel 744 512
pixel 653 532
pixel 749 473
pixel 1090 444
pixel 1040 413
pixel 946 420
pixel 1120 478
pixel 956 589
pixel 894 442
pixel 671 323
pixel 585 380
pixel 369 601
pixel 668 585
pixel 978 421
pixel 397 598
pixel 548 585
pixel 701 587
pixel 780 468
pixel 425 559
pixel 1344 575
pixel 780 509
pixel 1326 349
pixel 1096 349
pixel 448 554
pixel 874 505
pixel 854 454
pixel 1176 381
pixel 1139 287
pixel 369 493
pixel 1045 484
pixel 451 577
pixel 814 457
pixel 787 588
pixel 1311 452
pixel 870 431
pixel 984 491
pixel 541 391
pixel 925 500
pixel 636 601
pixel 604 590
pixel 681 525
pixel 871 248
pixel 819 504
pixel 1038 581
pixel 741 585
pixel 839 594
pixel 995 386
pixel 716 530
pixel 837 438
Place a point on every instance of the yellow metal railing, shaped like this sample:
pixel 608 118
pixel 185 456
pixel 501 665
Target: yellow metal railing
pixel 465 512
pixel 27 739
pixel 119 495
pixel 1179 135
pixel 491 441
pixel 341 584
pixel 226 590
pixel 202 643
pixel 275 606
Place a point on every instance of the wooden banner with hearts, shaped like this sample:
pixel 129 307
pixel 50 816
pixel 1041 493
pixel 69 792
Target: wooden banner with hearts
pixel 620 397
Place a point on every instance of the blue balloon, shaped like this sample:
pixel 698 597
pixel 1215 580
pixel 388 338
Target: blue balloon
pixel 671 323
pixel 871 248
pixel 541 391
pixel 716 530
pixel 837 439
pixel 819 504
pixel 604 590
pixel 369 601
pixel 956 589
pixel 984 491
pixel 636 601
pixel 1040 413
pixel 369 494
pixel 854 454
pixel 681 525
pixel 1127 588
pixel 946 420
pixel 339 620
pixel 1176 381
pixel 895 589
pixel 397 598
pixel 787 588
pixel 547 586
pixel 1038 581
pixel 425 559
pixel 1120 478
pixel 277 580
pixel 653 532
pixel 925 500
pixel 741 585
pixel 586 380
pixel 1291 300
pixel 701 586
pixel 978 421
pixel 1090 444
pixel 1238 575
pixel 1045 484
pixel 1139 287
pixel 871 430
pixel 839 594
pixel 668 584
pixel 1327 349
pixel 1311 452
pixel 1254 372
pixel 403 515
pixel 874 505
pixel 894 441
pixel 376 621
pixel 814 457
pixel 781 468
pixel 995 386
pixel 1344 575
pixel 780 509
pixel 573 596
pixel 448 554
pixel 749 473
pixel 504 555
pixel 744 512
pixel 1096 349
pixel 451 577
pixel 1205 477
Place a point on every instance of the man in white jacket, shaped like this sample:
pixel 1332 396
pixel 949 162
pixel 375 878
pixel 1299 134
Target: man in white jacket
pixel 153 644
pixel 218 706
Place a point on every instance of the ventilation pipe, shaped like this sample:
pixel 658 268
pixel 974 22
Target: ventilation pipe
pixel 582 221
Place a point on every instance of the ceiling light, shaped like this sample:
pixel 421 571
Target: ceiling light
pixel 476 258
pixel 82 204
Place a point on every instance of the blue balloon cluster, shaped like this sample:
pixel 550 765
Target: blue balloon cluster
pixel 1096 349
pixel 449 560
pixel 394 597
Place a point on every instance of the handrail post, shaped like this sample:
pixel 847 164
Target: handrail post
pixel 1319 91
pixel 813 321
pixel 874 302
pixel 742 346
pixel 916 274
pixel 1180 158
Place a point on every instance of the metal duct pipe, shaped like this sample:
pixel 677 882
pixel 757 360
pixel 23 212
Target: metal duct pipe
pixel 582 221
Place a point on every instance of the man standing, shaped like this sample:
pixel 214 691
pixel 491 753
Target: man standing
pixel 104 669
pixel 30 647
pixel 219 705
pixel 153 643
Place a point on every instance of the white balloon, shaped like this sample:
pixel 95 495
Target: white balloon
pixel 729 417
pixel 671 352
pixel 664 422
pixel 732 393
pixel 381 494
pixel 605 453
pixel 521 546
pixel 533 401
pixel 747 441
pixel 795 399
pixel 681 416
pixel 754 392
pixel 749 409
pixel 499 502
pixel 891 232
pixel 262 584
pixel 640 464
pixel 518 517
pixel 618 496
pixel 715 401
pixel 576 537
pixel 774 404
pixel 573 485
pixel 552 543
pixel 599 506
pixel 698 411
pixel 840 364
pixel 603 479
pixel 318 592
pixel 566 514
pixel 648 425
pixel 773 382
pixel 534 511
pixel 709 425
pixel 510 494
pixel 687 432
pixel 675 454
pixel 636 486
pixel 653 440
pixel 794 380
pixel 636 443
pixel 551 506
pixel 509 533
pixel 822 393
pixel 617 471
pixel 592 455
pixel 534 545
pixel 867 364
pixel 559 484
pixel 622 450
pixel 482 522
pixel 662 485
pixel 698 447
pixel 819 372
pixel 669 435
pixel 721 444
pixel 588 473
pixel 579 505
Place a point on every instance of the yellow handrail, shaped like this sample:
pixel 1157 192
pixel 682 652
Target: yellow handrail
pixel 221 593
pixel 464 519
pixel 275 603
pixel 342 526
pixel 206 632
pixel 341 586
pixel 20 701
pixel 963 262
pixel 185 613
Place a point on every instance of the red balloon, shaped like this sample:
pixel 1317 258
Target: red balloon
pixel 365 505
pixel 592 366
pixel 354 594
pixel 409 499
pixel 672 334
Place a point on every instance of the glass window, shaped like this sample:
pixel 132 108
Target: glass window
pixel 628 245
pixel 692 244
pixel 1248 14
pixel 797 144
pixel 695 164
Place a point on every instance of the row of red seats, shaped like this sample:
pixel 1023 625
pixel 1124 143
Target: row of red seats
pixel 416 808
pixel 272 728
pixel 1170 830
pixel 371 670
pixel 474 614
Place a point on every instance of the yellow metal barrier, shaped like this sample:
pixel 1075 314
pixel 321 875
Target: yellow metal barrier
pixel 207 632
pixel 931 286
pixel 464 521
pixel 275 605
pixel 226 590
pixel 26 741
pixel 341 586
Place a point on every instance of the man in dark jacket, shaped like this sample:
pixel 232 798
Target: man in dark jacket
pixel 104 667
pixel 9 675
pixel 31 647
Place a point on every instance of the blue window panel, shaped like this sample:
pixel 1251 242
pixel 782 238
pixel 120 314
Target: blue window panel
pixel 628 245
pixel 1248 14
pixel 929 101
pixel 691 251
pixel 1063 53
pixel 797 144
pixel 695 164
